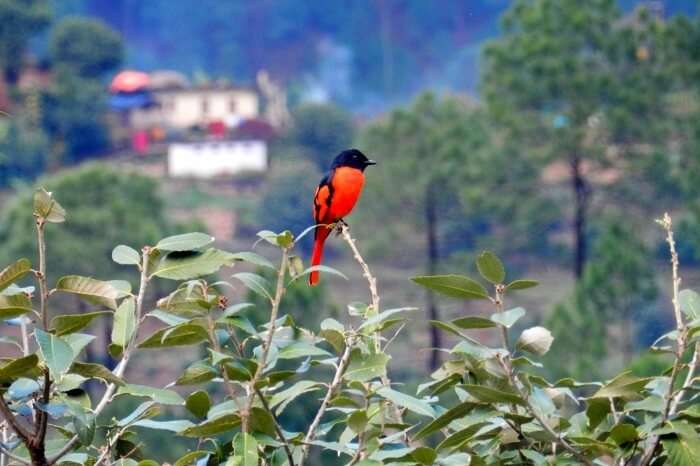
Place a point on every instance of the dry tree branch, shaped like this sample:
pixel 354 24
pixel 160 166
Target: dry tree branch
pixel 374 294
pixel 671 401
pixel 332 388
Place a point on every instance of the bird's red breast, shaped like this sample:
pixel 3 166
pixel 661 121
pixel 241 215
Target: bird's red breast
pixel 337 197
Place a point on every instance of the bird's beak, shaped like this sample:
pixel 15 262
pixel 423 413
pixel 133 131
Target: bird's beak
pixel 370 162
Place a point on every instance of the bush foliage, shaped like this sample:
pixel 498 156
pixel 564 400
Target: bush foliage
pixel 483 406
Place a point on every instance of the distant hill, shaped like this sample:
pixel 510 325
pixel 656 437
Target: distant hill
pixel 363 53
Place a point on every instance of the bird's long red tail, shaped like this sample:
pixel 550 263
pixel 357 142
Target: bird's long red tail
pixel 321 235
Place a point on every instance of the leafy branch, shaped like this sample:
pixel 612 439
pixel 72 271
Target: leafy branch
pixel 121 366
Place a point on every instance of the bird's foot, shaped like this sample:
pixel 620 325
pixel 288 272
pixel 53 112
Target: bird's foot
pixel 339 225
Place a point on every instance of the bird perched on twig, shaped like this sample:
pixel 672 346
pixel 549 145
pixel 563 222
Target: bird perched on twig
pixel 335 197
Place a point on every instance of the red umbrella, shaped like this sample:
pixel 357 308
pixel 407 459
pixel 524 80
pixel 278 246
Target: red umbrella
pixel 129 81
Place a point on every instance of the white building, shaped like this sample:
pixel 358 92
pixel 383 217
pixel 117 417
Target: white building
pixel 212 158
pixel 183 108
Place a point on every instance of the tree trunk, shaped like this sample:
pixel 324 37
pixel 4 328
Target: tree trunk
pixel 432 246
pixel 581 197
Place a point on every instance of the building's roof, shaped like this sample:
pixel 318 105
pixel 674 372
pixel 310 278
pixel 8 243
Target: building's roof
pixel 168 79
pixel 207 88
pixel 129 81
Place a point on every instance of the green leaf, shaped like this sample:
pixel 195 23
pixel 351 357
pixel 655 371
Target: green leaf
pixel 521 285
pixel 245 450
pixel 186 266
pixel 124 323
pixel 319 268
pixel 537 458
pixel 333 332
pixel 192 458
pixel 252 258
pixel 22 388
pixel 239 322
pixel 424 455
pixel 411 403
pixel 682 451
pixel 143 411
pixel 364 367
pixel 14 272
pixel 170 426
pixel 56 352
pixel 78 341
pixel 301 349
pixel 95 371
pixel 179 335
pixel 198 372
pixel 470 322
pixel 125 255
pixel 198 403
pixel 454 286
pixel 508 318
pixel 460 459
pixel 254 282
pixel 624 433
pixel 285 239
pixel 148 463
pixel 159 395
pixel 24 366
pixel 357 421
pixel 75 458
pixel 283 398
pixel 374 321
pixel 185 242
pixel 625 385
pixel 85 428
pixel 213 426
pixel 491 395
pixel 70 323
pixel 187 300
pixel 536 340
pixel 46 207
pixel 461 436
pixel 91 290
pixel 689 302
pixel 445 419
pixel 490 267
pixel 14 306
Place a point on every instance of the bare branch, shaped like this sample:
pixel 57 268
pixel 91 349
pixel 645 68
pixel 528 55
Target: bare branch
pixel 332 388
pixel 670 403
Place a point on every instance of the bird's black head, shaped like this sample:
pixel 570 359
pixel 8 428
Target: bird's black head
pixel 352 158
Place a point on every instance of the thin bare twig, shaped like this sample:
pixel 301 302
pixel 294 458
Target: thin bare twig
pixel 6 453
pixel 332 388
pixel 278 427
pixel 670 403
pixel 21 432
pixel 374 294
pixel 42 419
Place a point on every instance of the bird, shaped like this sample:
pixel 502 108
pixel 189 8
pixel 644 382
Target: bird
pixel 335 197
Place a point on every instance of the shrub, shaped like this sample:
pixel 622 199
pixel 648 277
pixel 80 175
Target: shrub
pixel 484 406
